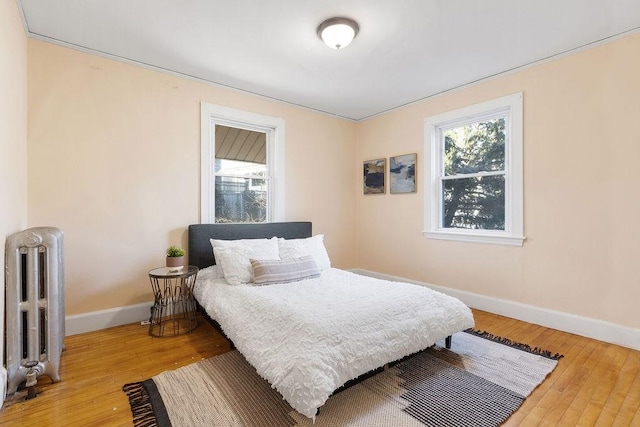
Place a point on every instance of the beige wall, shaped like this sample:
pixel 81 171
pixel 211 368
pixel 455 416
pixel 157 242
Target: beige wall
pixel 114 155
pixel 114 161
pixel 13 135
pixel 581 152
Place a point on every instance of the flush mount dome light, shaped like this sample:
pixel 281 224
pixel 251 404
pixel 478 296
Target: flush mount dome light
pixel 338 32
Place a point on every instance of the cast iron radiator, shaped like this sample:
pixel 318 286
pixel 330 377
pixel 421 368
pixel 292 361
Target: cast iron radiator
pixel 34 305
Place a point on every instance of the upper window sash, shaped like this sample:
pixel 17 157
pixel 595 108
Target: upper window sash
pixel 435 127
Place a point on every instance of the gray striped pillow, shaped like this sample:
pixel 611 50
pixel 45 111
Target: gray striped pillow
pixel 266 272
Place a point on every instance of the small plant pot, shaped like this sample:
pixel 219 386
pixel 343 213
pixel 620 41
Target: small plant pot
pixel 175 263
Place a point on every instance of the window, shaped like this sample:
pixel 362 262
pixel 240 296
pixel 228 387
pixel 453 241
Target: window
pixel 474 178
pixel 241 178
pixel 242 165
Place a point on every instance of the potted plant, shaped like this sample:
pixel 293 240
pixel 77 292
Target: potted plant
pixel 175 258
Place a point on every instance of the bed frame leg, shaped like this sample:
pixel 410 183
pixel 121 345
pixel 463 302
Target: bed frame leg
pixel 447 342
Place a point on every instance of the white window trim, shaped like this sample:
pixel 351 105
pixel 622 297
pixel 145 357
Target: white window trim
pixel 514 200
pixel 212 115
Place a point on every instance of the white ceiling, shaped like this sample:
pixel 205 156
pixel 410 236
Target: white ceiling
pixel 406 50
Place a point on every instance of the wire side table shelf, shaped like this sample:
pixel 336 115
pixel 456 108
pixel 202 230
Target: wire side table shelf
pixel 174 310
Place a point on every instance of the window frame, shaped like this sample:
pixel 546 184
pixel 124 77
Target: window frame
pixel 513 234
pixel 274 128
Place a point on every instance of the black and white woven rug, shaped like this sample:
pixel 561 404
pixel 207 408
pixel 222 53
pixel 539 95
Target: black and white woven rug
pixel 479 382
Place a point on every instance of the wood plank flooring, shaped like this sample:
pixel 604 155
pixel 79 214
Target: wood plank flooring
pixel 595 384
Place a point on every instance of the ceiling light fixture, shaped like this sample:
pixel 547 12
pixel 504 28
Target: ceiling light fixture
pixel 337 33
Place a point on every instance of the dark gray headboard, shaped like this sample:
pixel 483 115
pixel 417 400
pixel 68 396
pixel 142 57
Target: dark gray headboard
pixel 201 253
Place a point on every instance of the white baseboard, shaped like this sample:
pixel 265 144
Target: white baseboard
pixel 102 319
pixel 3 384
pixel 566 322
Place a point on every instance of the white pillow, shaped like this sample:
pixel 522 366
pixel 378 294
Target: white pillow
pixel 211 272
pixel 267 245
pixel 216 272
pixel 240 242
pixel 298 248
pixel 235 261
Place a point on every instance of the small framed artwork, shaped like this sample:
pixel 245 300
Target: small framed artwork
pixel 402 174
pixel 374 171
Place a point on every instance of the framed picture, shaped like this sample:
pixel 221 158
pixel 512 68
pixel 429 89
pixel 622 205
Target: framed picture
pixel 374 171
pixel 402 174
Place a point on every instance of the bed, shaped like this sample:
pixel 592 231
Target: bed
pixel 310 336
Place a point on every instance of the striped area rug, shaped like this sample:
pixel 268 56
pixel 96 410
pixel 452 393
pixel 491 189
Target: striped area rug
pixel 479 382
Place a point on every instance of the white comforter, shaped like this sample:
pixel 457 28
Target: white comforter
pixel 308 338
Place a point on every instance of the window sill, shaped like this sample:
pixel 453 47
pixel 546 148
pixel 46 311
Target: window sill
pixel 489 238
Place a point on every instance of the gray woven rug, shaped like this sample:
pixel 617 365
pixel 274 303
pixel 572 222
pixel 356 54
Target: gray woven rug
pixel 479 382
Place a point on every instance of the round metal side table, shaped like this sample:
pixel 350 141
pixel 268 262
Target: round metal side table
pixel 174 310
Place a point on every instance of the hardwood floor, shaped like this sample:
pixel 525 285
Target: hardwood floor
pixel 595 384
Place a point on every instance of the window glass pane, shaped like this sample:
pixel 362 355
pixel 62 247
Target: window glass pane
pixel 476 147
pixel 474 203
pixel 240 199
pixel 238 168
pixel 241 175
